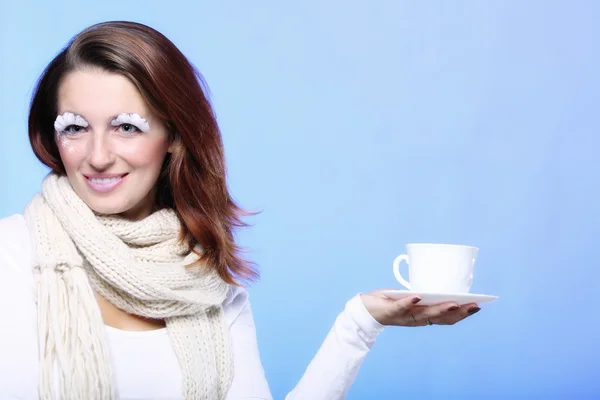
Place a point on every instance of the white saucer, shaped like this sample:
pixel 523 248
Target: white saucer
pixel 430 299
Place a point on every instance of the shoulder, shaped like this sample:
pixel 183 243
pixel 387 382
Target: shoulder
pixel 236 303
pixel 16 255
pixel 15 243
pixel 11 226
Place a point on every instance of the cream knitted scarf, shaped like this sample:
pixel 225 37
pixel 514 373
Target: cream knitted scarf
pixel 140 267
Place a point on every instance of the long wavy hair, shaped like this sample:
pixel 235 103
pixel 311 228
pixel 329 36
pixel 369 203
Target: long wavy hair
pixel 193 179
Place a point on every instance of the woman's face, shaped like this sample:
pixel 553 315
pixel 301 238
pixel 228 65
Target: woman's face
pixel 110 143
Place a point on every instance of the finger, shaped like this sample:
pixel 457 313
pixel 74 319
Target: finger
pixel 436 311
pixel 452 317
pixel 398 312
pixel 428 315
pixel 406 303
pixel 401 311
pixel 470 308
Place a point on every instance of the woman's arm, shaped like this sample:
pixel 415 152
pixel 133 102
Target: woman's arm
pixel 249 380
pixel 333 369
pixel 331 372
pixel 18 337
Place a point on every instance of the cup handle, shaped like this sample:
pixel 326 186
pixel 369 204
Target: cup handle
pixel 399 278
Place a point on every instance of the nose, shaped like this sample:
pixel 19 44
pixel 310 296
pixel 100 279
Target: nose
pixel 101 156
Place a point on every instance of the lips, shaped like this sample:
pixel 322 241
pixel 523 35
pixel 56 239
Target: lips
pixel 104 183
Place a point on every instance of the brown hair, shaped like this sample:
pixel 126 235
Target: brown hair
pixel 193 181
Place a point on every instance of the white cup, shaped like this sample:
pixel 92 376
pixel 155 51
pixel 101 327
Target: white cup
pixel 437 268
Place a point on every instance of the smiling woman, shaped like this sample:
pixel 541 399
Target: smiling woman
pixel 129 248
pixel 114 69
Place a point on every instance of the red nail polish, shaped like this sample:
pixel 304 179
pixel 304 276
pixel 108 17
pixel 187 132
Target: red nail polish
pixel 453 308
pixel 416 300
pixel 474 310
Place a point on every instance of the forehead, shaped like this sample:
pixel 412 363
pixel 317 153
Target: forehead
pixel 99 94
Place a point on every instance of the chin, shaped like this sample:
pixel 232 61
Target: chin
pixel 108 209
pixel 106 205
pixel 127 209
pixel 129 204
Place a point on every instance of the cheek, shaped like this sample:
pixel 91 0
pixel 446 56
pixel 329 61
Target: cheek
pixel 71 152
pixel 144 153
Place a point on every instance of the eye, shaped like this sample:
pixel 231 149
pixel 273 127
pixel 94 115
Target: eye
pixel 73 129
pixel 128 128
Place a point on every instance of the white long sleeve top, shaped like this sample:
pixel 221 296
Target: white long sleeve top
pixel 144 363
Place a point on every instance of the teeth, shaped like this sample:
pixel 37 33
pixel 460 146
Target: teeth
pixel 105 181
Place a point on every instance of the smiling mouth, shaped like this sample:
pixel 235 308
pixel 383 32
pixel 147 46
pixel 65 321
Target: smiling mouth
pixel 105 181
pixel 104 185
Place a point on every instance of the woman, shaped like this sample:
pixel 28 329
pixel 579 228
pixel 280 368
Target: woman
pixel 122 278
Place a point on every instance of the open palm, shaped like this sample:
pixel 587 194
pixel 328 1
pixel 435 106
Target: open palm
pixel 407 312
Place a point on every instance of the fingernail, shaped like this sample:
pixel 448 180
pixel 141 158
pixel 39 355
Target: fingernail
pixel 416 300
pixel 453 308
pixel 474 310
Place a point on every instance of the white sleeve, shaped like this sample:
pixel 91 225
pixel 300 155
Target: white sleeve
pixel 249 380
pixel 18 336
pixel 331 372
pixel 333 369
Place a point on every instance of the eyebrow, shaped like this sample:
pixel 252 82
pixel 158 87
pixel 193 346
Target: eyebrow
pixel 110 119
pixel 71 112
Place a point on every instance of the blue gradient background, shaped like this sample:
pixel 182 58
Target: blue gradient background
pixel 357 127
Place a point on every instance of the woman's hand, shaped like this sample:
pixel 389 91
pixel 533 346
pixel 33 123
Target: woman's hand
pixel 407 312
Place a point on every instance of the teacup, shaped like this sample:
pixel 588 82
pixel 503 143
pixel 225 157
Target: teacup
pixel 437 268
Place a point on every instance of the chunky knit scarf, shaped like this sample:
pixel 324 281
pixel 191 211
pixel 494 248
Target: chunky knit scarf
pixel 140 267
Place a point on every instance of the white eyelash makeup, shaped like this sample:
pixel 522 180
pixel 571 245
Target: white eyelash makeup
pixel 65 119
pixel 132 119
